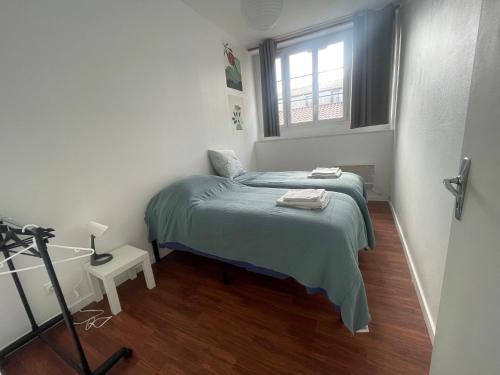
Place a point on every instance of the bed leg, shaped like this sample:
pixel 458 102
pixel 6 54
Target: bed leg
pixel 156 250
pixel 225 276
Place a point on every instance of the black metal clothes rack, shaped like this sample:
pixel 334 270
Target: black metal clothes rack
pixel 15 239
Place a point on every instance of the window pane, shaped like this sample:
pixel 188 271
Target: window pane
pixel 279 89
pixel 331 81
pixel 331 57
pixel 277 68
pixel 331 94
pixel 280 113
pixel 301 98
pixel 300 64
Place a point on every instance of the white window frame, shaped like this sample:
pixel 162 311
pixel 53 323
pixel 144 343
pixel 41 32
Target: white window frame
pixel 313 46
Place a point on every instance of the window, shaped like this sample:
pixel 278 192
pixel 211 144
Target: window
pixel 313 80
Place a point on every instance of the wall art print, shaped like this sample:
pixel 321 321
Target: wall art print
pixel 233 69
pixel 236 113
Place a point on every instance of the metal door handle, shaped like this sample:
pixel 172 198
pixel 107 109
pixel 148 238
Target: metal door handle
pixel 449 182
pixel 457 186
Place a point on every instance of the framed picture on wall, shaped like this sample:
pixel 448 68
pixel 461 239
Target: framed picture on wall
pixel 233 69
pixel 236 113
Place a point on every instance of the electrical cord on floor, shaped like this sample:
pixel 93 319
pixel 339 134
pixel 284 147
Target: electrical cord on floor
pixel 95 321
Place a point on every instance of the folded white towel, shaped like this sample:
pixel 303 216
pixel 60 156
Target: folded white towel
pixel 304 195
pixel 330 175
pixel 327 171
pixel 314 205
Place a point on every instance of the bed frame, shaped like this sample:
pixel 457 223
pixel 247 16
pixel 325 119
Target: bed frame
pixel 224 265
pixel 224 268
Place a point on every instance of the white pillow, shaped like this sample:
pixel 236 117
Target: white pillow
pixel 226 163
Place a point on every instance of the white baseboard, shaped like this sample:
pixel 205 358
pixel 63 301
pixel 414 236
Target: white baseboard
pixel 377 198
pixel 431 325
pixel 81 303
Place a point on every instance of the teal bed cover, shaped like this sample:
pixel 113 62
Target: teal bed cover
pixel 348 183
pixel 226 219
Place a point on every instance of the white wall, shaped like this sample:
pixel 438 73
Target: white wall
pixel 102 103
pixel 351 148
pixel 438 43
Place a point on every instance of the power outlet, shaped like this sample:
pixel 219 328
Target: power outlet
pixel 49 288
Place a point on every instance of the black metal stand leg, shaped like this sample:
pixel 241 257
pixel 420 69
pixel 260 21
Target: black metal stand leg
pixel 111 361
pixel 225 276
pixel 156 250
pixel 22 295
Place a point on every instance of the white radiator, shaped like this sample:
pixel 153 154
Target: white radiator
pixel 368 173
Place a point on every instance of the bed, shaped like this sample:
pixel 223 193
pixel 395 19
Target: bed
pixel 348 183
pixel 221 218
pixel 226 164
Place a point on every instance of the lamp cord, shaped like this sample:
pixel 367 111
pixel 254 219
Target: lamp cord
pixel 96 320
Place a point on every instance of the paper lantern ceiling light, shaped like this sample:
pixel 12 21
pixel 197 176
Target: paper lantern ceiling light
pixel 261 14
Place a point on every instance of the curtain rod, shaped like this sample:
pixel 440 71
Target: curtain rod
pixel 342 21
pixel 310 30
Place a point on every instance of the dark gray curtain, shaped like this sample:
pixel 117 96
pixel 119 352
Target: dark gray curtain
pixel 371 69
pixel 267 52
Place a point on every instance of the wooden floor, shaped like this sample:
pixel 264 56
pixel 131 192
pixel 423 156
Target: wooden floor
pixel 193 324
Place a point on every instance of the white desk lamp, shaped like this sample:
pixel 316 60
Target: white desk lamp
pixel 97 230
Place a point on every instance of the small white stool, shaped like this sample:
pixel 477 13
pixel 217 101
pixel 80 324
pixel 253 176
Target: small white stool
pixel 124 259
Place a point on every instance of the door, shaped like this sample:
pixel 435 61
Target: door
pixel 468 326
